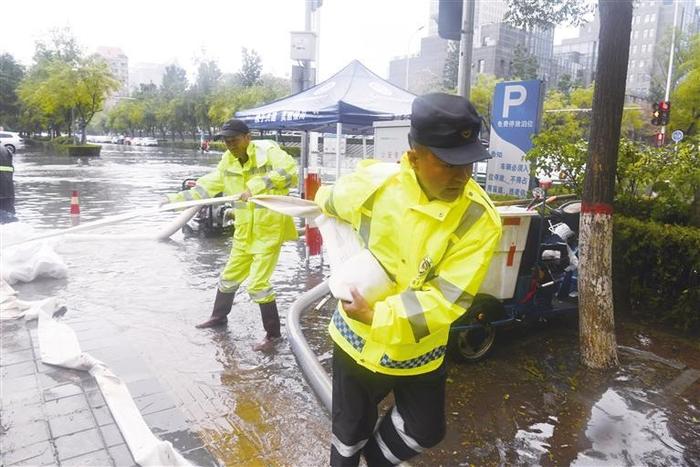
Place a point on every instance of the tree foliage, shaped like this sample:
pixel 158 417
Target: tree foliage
pixel 251 68
pixel 685 112
pixel 450 70
pixel 11 74
pixel 524 64
pixel 528 14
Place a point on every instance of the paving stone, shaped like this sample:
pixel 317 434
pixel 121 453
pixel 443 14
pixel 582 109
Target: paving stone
pixel 112 435
pixel 72 423
pixel 36 454
pixel 95 398
pixel 154 403
pixel 98 458
pixel 103 415
pixel 18 369
pixel 77 444
pixel 26 434
pixel 19 384
pixel 201 457
pixel 19 356
pixel 55 376
pixel 64 390
pixel 14 341
pixel 131 369
pixel 66 405
pixel 19 414
pixel 166 421
pixel 29 397
pixel 122 456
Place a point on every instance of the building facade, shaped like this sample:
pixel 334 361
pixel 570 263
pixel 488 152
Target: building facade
pixel 119 64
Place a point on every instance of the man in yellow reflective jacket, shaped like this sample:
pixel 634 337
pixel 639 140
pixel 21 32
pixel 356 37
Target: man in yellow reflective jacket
pixel 249 167
pixel 433 230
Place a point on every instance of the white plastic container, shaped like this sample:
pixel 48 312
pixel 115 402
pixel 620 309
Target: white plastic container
pixel 503 273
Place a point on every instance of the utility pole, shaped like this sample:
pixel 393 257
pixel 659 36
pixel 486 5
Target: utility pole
pixel 670 63
pixel 466 44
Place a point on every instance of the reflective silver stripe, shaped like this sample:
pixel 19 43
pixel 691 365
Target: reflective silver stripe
pixel 415 314
pixel 465 301
pixel 451 292
pixel 346 450
pixel 230 172
pixel 469 218
pixel 385 449
pixel 366 219
pixel 202 192
pixel 228 286
pixel 263 294
pixel 187 194
pixel 4 168
pixel 287 177
pixel 268 182
pixel 400 426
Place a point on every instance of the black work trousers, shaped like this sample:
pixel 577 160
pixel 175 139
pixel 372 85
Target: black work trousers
pixel 415 423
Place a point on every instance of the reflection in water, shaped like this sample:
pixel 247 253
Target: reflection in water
pixel 629 431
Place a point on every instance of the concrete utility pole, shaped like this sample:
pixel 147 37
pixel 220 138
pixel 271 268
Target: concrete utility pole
pixel 466 44
pixel 670 63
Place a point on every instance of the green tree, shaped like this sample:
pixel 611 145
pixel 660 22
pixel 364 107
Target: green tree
pixel 524 65
pixel 11 74
pixel 596 318
pixel 564 84
pixel 91 83
pixel 61 46
pixel 685 112
pixel 174 82
pixel 681 54
pixel 251 68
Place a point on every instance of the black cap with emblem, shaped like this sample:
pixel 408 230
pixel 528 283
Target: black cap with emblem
pixel 449 126
pixel 231 128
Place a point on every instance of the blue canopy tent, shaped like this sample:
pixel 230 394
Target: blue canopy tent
pixel 354 97
pixel 350 100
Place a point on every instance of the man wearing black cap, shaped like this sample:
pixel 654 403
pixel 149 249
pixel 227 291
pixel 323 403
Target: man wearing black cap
pixel 434 230
pixel 249 167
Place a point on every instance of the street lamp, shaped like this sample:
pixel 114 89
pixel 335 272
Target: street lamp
pixel 408 53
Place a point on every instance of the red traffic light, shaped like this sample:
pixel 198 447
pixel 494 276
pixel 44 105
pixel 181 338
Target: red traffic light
pixel 664 105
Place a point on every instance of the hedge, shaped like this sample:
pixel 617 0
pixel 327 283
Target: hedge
pixel 656 271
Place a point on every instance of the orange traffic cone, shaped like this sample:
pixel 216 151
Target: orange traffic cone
pixel 74 204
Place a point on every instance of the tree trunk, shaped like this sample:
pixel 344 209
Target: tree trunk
pixel 596 317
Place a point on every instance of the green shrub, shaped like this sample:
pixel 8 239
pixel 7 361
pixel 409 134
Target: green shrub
pixel 656 271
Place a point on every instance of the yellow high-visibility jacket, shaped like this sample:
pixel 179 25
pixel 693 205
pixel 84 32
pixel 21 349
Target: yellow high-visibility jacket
pixel 269 170
pixel 436 252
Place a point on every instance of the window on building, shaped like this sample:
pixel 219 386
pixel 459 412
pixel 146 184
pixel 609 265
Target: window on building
pixel 646 18
pixel 646 34
pixel 644 48
pixel 634 49
pixel 653 17
pixel 633 63
pixel 641 64
pixel 481 65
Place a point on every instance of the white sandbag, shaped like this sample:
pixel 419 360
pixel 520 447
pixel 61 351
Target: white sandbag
pixel 351 264
pixel 28 261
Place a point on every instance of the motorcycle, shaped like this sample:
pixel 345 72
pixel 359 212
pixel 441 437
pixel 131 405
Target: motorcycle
pixel 546 283
pixel 210 221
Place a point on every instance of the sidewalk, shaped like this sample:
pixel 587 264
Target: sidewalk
pixel 56 416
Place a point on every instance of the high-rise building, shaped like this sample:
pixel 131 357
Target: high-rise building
pixel 649 46
pixel 495 46
pixel 145 73
pixel 119 64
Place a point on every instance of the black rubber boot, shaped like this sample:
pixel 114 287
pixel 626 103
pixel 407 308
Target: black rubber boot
pixel 222 307
pixel 271 323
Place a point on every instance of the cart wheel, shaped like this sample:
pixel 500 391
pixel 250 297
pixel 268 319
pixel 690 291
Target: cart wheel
pixel 471 345
pixel 474 344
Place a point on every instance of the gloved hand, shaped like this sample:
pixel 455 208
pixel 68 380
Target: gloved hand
pixel 163 201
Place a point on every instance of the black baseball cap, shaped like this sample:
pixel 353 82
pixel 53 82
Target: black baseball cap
pixel 449 126
pixel 231 128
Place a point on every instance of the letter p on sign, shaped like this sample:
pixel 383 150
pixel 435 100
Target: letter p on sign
pixel 514 95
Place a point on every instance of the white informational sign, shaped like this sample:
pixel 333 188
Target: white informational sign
pixel 677 136
pixel 391 140
pixel 330 142
pixel 515 118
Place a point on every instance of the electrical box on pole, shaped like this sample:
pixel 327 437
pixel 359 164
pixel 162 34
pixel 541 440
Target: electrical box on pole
pixel 450 19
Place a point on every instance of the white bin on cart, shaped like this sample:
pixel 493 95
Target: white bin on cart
pixel 503 272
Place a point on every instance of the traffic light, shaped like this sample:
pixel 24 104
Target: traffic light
pixel 655 114
pixel 661 113
pixel 665 109
pixel 450 19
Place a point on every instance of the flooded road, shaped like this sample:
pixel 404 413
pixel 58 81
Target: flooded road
pixel 134 305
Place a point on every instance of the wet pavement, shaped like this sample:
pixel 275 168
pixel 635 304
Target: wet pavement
pixel 134 305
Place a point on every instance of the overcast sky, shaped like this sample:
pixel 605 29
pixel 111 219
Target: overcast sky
pixel 372 31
